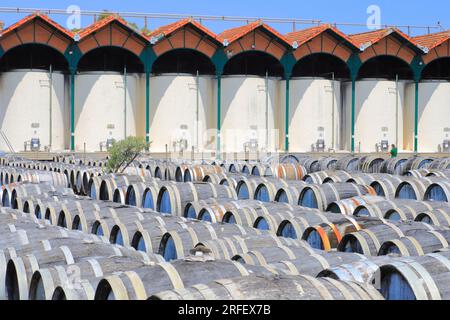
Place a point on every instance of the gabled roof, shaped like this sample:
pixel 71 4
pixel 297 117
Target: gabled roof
pixel 367 39
pixel 234 34
pixel 104 22
pixel 302 36
pixel 33 16
pixel 166 30
pixel 431 41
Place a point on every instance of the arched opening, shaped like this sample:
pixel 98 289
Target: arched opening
pixel 33 56
pixel 182 100
pixel 110 59
pixel 385 67
pixel 183 61
pixel 438 69
pixel 110 88
pixel 254 63
pixel 321 65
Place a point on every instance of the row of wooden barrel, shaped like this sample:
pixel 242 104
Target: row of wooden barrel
pixel 424 277
pixel 42 268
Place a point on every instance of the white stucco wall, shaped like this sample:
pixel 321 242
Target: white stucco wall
pixel 24 101
pixel 100 108
pixel 244 113
pixel 174 102
pixel 375 109
pixel 434 115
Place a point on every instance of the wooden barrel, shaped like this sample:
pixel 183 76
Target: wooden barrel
pixel 348 163
pixel 394 166
pixel 436 217
pixel 321 196
pixel 398 209
pixel 291 193
pixel 363 271
pixel 12 191
pixel 85 216
pixel 416 278
pixel 197 173
pixel 415 188
pixel 265 256
pixel 366 178
pixel 417 163
pixel 318 177
pixel 20 269
pixel 387 186
pixel 438 191
pixel 288 171
pixel 368 241
pixel 348 206
pixel 267 191
pixel 249 212
pixel 51 283
pixel 227 248
pixel 146 235
pixel 211 210
pixel 177 244
pixel 441 174
pixel 112 182
pixel 215 178
pixel 440 164
pixel 327 235
pixel 236 167
pixel 418 243
pixel 173 199
pixel 417 173
pixel 246 186
pixel 176 275
pixel 314 264
pixel 311 164
pixel 53 178
pixel 327 163
pixel 274 288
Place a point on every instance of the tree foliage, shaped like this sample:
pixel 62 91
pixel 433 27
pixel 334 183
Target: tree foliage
pixel 124 152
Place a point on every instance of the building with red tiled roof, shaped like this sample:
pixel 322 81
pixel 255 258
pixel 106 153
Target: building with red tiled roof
pixel 184 34
pixel 255 36
pixel 321 39
pixel 388 41
pixel 36 28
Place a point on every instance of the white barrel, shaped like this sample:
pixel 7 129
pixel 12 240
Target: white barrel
pixel 101 110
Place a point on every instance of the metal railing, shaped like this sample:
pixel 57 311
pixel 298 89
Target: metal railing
pixel 201 18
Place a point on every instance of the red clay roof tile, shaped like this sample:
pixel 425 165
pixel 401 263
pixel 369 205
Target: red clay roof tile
pixel 234 34
pixel 431 41
pixel 41 16
pixel 303 36
pixel 105 21
pixel 367 39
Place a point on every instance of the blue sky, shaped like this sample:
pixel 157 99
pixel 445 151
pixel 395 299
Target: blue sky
pixel 393 12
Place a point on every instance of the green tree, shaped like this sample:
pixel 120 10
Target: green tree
pixel 124 152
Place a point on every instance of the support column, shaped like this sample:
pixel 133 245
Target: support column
pixel 219 114
pixel 353 114
pixel 72 111
pixel 286 141
pixel 147 107
pixel 416 117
